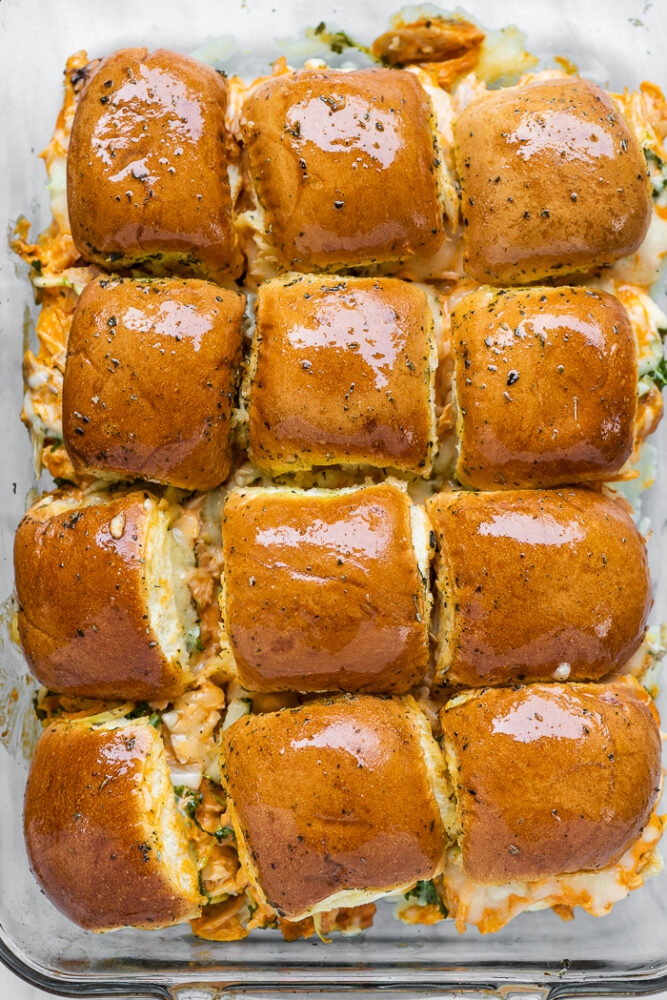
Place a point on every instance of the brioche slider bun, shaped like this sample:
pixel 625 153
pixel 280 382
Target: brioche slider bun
pixel 337 802
pixel 326 589
pixel 104 837
pixel 150 378
pixel 342 372
pixel 551 779
pixel 147 167
pixel 344 167
pixel 546 386
pixel 553 182
pixel 104 606
pixel 537 585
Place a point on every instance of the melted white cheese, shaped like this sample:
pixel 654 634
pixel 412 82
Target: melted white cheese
pixel 596 892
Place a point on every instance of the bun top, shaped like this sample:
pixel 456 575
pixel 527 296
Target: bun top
pixel 343 372
pixel 324 590
pixel 147 179
pixel 99 610
pixel 553 181
pixel 335 797
pixel 344 166
pixel 551 779
pixel 543 581
pixel 150 378
pixel 104 838
pixel 546 385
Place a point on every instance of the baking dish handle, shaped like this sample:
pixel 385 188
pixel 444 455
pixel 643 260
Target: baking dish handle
pixel 235 991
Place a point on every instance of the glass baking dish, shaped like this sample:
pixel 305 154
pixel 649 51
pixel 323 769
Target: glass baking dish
pixel 615 43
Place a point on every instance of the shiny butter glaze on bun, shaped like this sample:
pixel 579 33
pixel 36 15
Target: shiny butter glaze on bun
pixel 546 386
pixel 537 584
pixel 147 182
pixel 326 590
pixel 342 372
pixel 344 166
pixel 553 181
pixel 337 802
pixel 150 380
pixel 103 603
pixel 104 837
pixel 551 779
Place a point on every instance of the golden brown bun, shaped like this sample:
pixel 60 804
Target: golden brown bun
pixel 149 381
pixel 343 166
pixel 551 779
pixel 147 166
pixel 92 620
pixel 104 838
pixel 342 373
pixel 537 581
pixel 552 182
pixel 546 384
pixel 333 803
pixel 326 590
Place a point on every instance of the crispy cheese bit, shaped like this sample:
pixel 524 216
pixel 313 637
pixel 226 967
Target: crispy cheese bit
pixel 446 48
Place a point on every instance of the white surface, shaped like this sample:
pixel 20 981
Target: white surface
pixel 12 988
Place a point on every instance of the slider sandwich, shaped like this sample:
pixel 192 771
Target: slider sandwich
pixel 342 372
pixel 326 589
pixel 337 802
pixel 105 839
pixel 536 585
pixel 556 788
pixel 150 380
pixel 553 182
pixel 104 605
pixel 345 169
pixel 148 164
pixel 546 386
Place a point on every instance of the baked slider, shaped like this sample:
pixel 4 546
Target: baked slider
pixel 326 590
pixel 147 167
pixel 342 372
pixel 553 182
pixel 337 802
pixel 104 606
pixel 556 786
pixel 534 585
pixel 105 839
pixel 546 386
pixel 149 381
pixel 345 168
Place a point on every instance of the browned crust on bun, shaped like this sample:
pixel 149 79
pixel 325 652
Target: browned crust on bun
pixel 343 165
pixel 147 180
pixel 150 378
pixel 553 181
pixel 546 386
pixel 343 372
pixel 94 820
pixel 84 587
pixel 531 582
pixel 335 797
pixel 326 591
pixel 551 779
